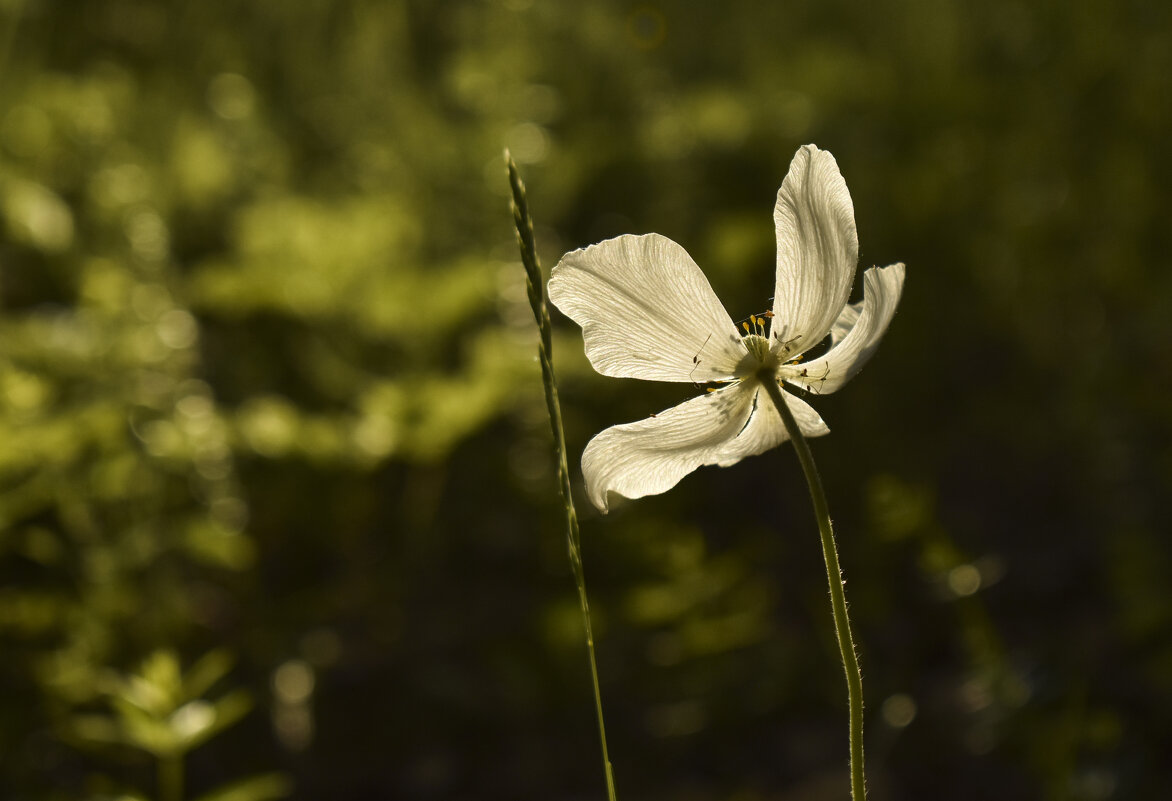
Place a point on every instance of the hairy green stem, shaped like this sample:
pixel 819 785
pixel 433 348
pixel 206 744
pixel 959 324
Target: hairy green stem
pixel 536 286
pixel 842 623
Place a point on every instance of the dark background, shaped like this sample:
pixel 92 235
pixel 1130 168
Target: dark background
pixel 267 385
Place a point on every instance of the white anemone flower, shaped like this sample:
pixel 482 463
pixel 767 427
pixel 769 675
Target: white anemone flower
pixel 647 311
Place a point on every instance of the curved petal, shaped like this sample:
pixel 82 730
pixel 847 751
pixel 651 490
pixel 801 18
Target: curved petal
pixel 651 456
pixel 845 322
pixel 646 311
pixel 765 429
pixel 882 287
pixel 817 249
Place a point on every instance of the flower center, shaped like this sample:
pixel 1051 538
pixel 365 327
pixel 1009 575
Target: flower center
pixel 760 360
pixel 758 346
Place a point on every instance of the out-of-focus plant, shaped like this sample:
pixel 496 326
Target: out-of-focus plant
pixel 121 515
pixel 162 711
pixel 352 445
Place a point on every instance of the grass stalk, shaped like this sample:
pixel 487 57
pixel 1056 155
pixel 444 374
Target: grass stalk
pixel 535 284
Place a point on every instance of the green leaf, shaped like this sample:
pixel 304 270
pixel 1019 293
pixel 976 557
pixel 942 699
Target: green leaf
pixel 212 667
pixel 97 729
pixel 255 788
pixel 204 720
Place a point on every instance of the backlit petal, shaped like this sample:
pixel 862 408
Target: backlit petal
pixel 646 311
pixel 817 249
pixel 845 322
pixel 765 429
pixel 881 290
pixel 651 456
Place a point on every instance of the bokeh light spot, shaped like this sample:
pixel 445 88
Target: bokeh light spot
pixel 321 647
pixel 148 234
pixel 269 425
pixel 676 720
pixel 177 329
pixel 23 391
pixel 899 710
pixel 293 682
pixel 647 27
pixel 231 513
pixel 964 580
pixel 37 216
pixel 120 185
pixel 375 435
pixel 231 96
pixel 162 438
pixel 149 301
pixel 528 143
pixel 195 406
pixel 26 130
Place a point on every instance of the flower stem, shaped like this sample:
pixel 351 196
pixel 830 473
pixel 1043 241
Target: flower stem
pixel 536 286
pixel 842 623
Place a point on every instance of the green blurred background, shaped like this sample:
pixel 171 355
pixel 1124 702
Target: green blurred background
pixel 270 412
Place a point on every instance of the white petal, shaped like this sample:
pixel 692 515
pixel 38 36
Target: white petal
pixel 651 456
pixel 646 311
pixel 817 249
pixel 881 290
pixel 765 429
pixel 845 322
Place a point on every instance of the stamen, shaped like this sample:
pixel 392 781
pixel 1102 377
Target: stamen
pixel 745 326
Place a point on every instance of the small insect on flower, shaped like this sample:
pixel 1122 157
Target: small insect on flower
pixel 616 288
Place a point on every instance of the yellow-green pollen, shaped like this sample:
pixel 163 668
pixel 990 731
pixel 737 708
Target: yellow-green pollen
pixel 755 340
pixel 758 346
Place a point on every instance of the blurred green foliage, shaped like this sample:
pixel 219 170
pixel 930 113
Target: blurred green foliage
pixel 160 711
pixel 268 388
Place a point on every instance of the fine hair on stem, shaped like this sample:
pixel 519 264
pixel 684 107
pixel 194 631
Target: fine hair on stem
pixel 842 623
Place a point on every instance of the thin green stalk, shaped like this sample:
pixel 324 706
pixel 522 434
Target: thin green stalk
pixel 842 623
pixel 536 286
pixel 8 34
pixel 170 777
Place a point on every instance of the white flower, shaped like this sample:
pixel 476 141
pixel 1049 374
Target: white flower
pixel 647 311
